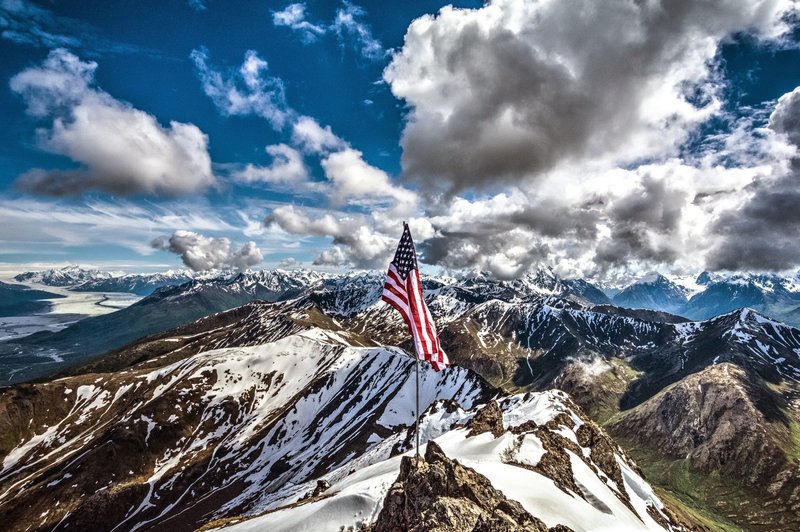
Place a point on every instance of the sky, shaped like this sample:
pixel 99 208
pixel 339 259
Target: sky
pixel 602 139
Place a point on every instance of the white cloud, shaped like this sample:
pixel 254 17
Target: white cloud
pixel 248 91
pixel 313 138
pixel 515 89
pixel 354 179
pixel 333 256
pixel 351 29
pixel 289 262
pixel 347 25
pixel 287 168
pixel 123 150
pixel 201 253
pixel 294 16
pixel 355 241
pixel 54 226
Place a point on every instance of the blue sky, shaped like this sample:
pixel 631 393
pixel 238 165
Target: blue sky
pixel 601 140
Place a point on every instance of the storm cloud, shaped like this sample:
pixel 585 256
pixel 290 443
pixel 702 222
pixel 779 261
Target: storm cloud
pixel 763 233
pixel 504 93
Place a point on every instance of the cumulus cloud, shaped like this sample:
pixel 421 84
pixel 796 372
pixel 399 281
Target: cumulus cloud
pixel 313 138
pixel 347 25
pixel 289 262
pixel 353 179
pixel 201 253
pixel 287 168
pixel 354 241
pixel 248 91
pixel 294 16
pixel 123 150
pixel 515 89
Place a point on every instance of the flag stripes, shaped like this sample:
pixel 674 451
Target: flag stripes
pixel 403 291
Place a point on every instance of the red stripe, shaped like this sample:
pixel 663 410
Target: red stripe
pixel 400 295
pixel 400 308
pixel 418 317
pixel 425 319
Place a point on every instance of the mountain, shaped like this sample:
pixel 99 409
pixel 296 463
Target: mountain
pixel 19 300
pixel 713 294
pixel 301 428
pixel 774 295
pixel 525 462
pixel 45 353
pixel 66 276
pixel 614 362
pixel 135 283
pixel 658 293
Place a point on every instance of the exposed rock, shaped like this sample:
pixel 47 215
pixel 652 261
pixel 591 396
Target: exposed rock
pixel 441 494
pixel 488 419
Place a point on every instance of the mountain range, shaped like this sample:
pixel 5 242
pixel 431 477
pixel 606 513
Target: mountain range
pixel 690 401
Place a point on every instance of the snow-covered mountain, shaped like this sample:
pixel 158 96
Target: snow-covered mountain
pixel 142 284
pixel 303 426
pixel 656 293
pixel 535 453
pixel 614 362
pixel 66 276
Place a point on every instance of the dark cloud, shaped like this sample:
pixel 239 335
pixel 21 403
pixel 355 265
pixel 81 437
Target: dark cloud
pixel 516 88
pixel 642 223
pixel 764 232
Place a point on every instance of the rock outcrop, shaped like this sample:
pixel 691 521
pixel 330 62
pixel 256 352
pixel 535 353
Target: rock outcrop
pixel 438 493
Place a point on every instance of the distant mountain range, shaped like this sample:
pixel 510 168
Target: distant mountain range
pixel 143 284
pixel 712 295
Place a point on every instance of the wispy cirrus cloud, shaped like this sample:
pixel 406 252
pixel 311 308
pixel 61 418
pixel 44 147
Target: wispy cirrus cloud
pixel 294 16
pixel 122 150
pixel 347 25
pixel 251 90
pixel 25 23
pixel 61 224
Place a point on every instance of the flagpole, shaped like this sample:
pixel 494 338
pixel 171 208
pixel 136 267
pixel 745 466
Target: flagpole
pixel 417 364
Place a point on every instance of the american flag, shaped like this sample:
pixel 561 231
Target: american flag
pixel 403 291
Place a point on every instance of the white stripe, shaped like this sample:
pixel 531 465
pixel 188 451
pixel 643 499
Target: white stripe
pixel 399 302
pixel 420 303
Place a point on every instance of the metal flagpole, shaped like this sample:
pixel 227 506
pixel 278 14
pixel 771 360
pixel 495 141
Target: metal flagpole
pixel 417 360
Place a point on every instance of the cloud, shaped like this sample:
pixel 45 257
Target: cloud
pixel 198 5
pixel 353 32
pixel 289 262
pixel 201 253
pixel 334 256
pixel 350 177
pixel 761 233
pixel 294 16
pixel 354 241
pixel 287 168
pixel 347 25
pixel 248 91
pixel 353 179
pixel 54 225
pixel 313 138
pixel 123 150
pixel 24 23
pixel 513 90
